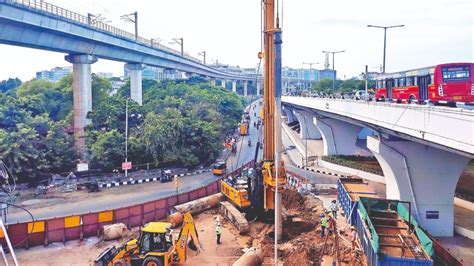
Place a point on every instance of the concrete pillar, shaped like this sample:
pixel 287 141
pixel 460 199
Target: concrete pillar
pixel 308 129
pixel 234 86
pixel 223 84
pixel 259 87
pixel 135 72
pixel 339 137
pixel 423 175
pixel 289 114
pixel 213 82
pixel 246 86
pixel 82 95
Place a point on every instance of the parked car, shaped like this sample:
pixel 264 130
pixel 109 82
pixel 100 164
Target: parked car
pixel 361 95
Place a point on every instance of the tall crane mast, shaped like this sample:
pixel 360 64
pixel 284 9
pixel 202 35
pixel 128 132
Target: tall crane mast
pixel 273 168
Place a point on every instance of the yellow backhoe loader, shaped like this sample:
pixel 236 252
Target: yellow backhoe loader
pixel 154 247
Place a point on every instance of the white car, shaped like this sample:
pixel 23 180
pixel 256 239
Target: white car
pixel 361 95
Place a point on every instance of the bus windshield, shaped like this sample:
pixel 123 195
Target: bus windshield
pixel 455 73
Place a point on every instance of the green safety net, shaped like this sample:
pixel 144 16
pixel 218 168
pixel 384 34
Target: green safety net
pixel 402 212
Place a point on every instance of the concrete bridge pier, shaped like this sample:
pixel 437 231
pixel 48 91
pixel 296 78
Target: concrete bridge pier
pixel 223 83
pixel 234 86
pixel 259 88
pixel 246 87
pixel 212 81
pixel 308 129
pixel 288 111
pixel 135 72
pixel 424 175
pixel 82 95
pixel 339 137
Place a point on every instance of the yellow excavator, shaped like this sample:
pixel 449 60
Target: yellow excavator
pixel 154 247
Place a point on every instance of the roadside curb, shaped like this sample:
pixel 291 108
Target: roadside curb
pixel 322 172
pixel 147 180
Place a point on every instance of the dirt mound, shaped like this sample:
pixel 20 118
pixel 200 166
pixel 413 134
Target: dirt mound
pixel 292 200
pixel 312 204
pixel 292 230
pixel 295 229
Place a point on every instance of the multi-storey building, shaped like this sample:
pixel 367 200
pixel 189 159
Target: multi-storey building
pixel 54 74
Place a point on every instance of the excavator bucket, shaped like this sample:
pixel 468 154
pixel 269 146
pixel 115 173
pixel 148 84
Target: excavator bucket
pixel 106 256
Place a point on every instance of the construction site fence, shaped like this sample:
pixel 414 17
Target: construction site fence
pixel 349 207
pixel 73 227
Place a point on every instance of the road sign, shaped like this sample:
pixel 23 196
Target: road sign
pixel 81 167
pixel 126 165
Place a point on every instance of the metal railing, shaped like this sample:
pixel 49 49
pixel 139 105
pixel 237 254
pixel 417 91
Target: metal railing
pixel 62 12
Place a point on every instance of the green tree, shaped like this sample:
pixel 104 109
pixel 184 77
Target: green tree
pixel 101 89
pixel 40 96
pixel 324 86
pixel 21 152
pixel 163 134
pixel 60 152
pixel 9 84
pixel 107 149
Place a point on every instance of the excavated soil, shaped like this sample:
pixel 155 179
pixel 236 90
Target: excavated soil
pixel 292 200
pixel 292 230
pixel 302 243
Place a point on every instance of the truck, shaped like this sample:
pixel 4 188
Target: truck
pixel 244 128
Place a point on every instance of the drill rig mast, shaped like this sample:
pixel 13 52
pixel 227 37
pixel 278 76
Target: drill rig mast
pixel 273 170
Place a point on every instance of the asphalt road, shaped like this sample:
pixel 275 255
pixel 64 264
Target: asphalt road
pixel 246 153
pixel 115 200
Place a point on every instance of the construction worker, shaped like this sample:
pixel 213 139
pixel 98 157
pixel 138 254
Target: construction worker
pixel 334 208
pixel 218 232
pixel 324 223
pixel 353 237
pixel 331 224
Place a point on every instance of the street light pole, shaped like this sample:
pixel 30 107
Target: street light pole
pixel 310 68
pixel 305 143
pixel 179 41
pixel 126 133
pixel 384 38
pixel 203 53
pixel 366 82
pixel 333 71
pixel 132 17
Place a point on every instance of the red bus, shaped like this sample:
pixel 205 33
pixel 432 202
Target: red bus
pixel 441 84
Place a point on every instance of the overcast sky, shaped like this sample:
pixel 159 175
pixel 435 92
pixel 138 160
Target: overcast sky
pixel 436 31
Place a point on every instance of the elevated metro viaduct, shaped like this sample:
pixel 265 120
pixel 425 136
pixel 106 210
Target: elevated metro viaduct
pixel 422 149
pixel 40 25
